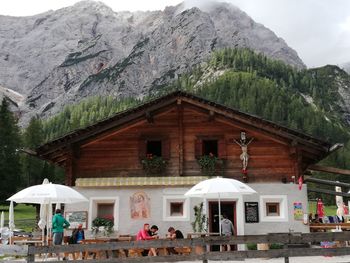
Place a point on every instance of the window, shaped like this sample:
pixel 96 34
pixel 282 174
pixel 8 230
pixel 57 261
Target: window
pixel 105 210
pixel 176 208
pixel 272 209
pixel 154 147
pixel 206 145
pixel 210 147
pixel 104 207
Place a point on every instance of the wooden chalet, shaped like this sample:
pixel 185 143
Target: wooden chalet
pixel 104 162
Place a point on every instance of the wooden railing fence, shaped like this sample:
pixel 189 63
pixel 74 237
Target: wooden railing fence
pixel 289 240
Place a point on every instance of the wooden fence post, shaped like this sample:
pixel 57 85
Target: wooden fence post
pixel 286 259
pixel 30 258
pixel 205 260
pixel 30 254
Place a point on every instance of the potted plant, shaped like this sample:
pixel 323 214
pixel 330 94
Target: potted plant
pixel 210 164
pixel 103 225
pixel 200 223
pixel 153 164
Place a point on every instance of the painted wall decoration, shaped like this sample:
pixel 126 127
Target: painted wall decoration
pixel 140 206
pixel 298 211
pixel 77 217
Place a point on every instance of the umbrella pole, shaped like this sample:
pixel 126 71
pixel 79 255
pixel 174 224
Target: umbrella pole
pixel 219 215
pixel 48 228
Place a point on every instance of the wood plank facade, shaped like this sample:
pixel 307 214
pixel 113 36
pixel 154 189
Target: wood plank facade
pixel 182 122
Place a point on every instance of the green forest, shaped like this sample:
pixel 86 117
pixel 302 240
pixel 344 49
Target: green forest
pixel 238 78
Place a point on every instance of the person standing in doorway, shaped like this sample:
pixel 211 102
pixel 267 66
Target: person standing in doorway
pixel 227 228
pixel 59 223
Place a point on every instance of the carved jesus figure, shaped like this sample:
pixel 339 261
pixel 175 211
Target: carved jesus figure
pixel 244 146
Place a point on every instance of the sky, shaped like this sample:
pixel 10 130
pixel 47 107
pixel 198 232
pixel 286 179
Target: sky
pixel 319 30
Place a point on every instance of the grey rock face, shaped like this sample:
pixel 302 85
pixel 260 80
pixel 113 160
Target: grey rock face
pixel 346 67
pixel 60 57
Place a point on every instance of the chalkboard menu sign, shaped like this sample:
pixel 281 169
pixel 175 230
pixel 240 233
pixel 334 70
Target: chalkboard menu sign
pixel 251 212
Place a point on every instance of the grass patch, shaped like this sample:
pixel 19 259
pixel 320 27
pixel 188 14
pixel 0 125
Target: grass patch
pixel 330 210
pixel 24 215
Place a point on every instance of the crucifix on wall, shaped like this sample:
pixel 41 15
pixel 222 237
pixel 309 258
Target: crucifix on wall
pixel 243 142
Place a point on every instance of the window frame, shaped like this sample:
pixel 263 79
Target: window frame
pixel 221 145
pixel 93 203
pixel 167 200
pixel 158 141
pixel 282 200
pixel 204 146
pixel 181 207
pixel 165 145
pixel 271 204
pixel 98 204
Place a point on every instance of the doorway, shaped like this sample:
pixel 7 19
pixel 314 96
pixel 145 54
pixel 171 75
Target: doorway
pixel 228 208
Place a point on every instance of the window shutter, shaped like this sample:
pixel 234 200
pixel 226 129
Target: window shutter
pixel 166 148
pixel 198 148
pixel 222 149
pixel 142 148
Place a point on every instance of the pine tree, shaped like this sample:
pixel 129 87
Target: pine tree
pixel 10 143
pixel 33 137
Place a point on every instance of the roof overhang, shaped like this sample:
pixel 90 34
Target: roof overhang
pixel 56 150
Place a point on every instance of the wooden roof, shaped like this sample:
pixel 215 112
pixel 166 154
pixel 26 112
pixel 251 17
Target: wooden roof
pixel 60 146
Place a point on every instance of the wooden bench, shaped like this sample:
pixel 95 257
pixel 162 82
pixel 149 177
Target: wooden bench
pixel 97 254
pixel 183 250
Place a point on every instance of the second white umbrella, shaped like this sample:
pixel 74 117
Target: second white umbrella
pixel 219 188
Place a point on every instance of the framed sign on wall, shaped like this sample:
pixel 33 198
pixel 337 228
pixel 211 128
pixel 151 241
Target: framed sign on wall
pixel 77 217
pixel 251 211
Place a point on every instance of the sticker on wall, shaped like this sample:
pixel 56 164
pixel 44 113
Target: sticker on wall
pixel 140 206
pixel 298 211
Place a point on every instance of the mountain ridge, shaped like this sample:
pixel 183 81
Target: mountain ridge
pixel 59 57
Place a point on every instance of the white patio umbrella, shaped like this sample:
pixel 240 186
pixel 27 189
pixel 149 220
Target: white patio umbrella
pixel 340 203
pixel 48 194
pixel 11 220
pixel 219 188
pixel 58 206
pixel 2 220
pixel 43 216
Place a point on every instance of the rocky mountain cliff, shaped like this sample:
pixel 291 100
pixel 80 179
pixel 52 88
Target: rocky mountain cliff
pixel 346 67
pixel 62 56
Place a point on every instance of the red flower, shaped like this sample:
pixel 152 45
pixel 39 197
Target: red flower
pixel 244 171
pixel 109 217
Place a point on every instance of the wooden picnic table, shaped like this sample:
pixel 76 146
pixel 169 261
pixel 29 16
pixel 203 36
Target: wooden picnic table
pixel 328 226
pixel 26 241
pixel 202 234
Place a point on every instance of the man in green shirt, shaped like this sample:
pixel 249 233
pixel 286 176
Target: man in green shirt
pixel 59 223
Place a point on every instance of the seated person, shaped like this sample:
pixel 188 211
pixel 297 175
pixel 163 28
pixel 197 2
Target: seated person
pixel 173 234
pixel 153 231
pixel 143 235
pixel 311 218
pixel 77 235
pixel 317 220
